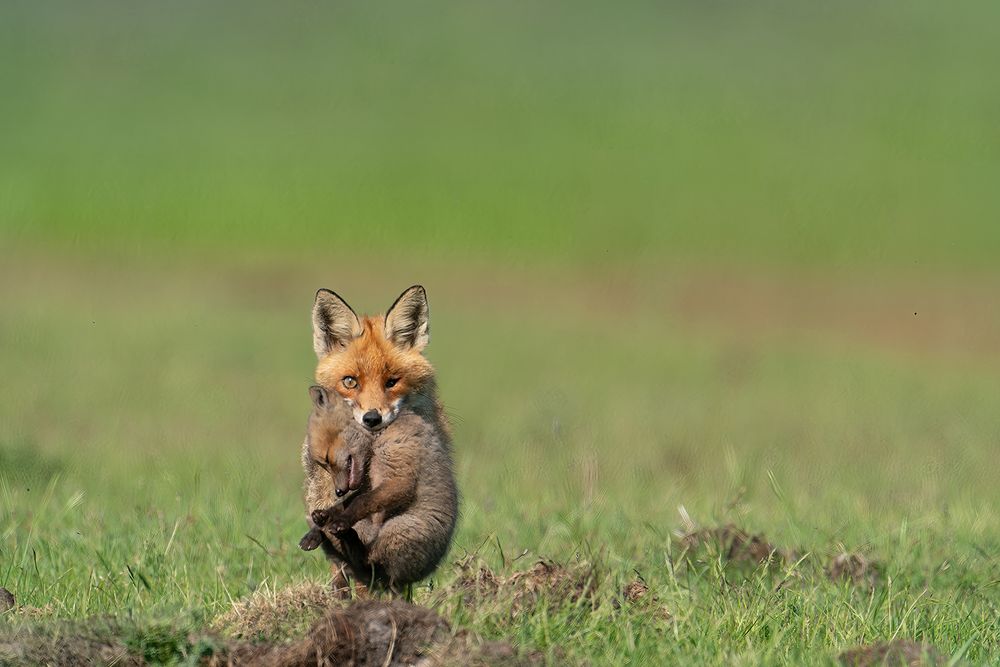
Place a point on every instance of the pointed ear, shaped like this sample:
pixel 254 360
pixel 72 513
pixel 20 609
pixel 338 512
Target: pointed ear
pixel 319 396
pixel 406 323
pixel 334 323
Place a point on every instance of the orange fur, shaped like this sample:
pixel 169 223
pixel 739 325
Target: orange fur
pixel 372 359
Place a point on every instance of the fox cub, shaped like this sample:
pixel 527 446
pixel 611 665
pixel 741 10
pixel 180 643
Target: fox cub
pixel 335 457
pixel 381 497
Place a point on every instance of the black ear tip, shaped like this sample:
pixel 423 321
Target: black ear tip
pixel 322 291
pixel 331 298
pixel 329 293
pixel 415 290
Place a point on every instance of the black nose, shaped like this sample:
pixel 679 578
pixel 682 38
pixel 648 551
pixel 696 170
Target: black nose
pixel 372 418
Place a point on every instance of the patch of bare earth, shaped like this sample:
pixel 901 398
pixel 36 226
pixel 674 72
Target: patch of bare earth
pixel 736 545
pixel 896 653
pixel 521 592
pixel 636 594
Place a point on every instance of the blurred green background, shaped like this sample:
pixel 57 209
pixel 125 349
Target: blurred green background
pixel 851 133
pixel 735 257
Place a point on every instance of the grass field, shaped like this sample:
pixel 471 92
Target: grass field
pixel 688 266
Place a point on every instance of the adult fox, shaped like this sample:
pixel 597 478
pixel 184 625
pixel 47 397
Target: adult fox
pixel 398 528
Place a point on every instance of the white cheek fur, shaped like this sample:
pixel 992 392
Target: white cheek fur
pixel 393 412
pixel 359 414
pixel 387 418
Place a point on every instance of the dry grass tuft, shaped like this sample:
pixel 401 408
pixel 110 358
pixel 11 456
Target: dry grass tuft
pixel 277 614
pixel 897 653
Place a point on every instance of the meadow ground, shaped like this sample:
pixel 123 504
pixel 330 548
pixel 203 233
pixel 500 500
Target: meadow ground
pixel 699 273
pixel 151 431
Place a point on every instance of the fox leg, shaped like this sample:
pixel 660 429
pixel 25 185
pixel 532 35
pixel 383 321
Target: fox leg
pixel 340 583
pixel 339 568
pixel 364 573
pixel 407 549
pixel 349 561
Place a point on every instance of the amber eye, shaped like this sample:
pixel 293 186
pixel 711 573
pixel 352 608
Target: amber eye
pixel 391 382
pixel 350 381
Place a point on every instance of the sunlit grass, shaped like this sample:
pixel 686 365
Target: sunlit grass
pixel 150 467
pixel 710 263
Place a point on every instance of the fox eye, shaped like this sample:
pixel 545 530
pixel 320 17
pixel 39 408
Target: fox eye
pixel 391 382
pixel 350 381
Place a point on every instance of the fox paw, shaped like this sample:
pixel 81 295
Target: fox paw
pixel 311 540
pixel 338 526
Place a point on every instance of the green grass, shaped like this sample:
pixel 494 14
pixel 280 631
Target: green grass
pixel 734 259
pixel 150 461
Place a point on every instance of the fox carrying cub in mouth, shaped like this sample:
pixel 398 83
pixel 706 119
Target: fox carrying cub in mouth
pixel 381 498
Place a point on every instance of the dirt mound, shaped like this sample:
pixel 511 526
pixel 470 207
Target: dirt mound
pixel 97 643
pixel 897 653
pixel 736 545
pixel 369 632
pixel 855 568
pixel 373 632
pixel 636 594
pixel 522 591
pixel 635 590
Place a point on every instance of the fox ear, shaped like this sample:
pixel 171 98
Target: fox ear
pixel 334 323
pixel 319 396
pixel 406 323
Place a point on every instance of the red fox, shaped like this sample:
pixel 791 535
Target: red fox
pixel 398 527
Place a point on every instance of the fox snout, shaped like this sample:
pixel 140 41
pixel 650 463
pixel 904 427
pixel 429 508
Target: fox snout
pixel 372 418
pixel 375 418
pixel 348 476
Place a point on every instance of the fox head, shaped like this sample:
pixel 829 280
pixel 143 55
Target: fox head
pixel 373 363
pixel 330 446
